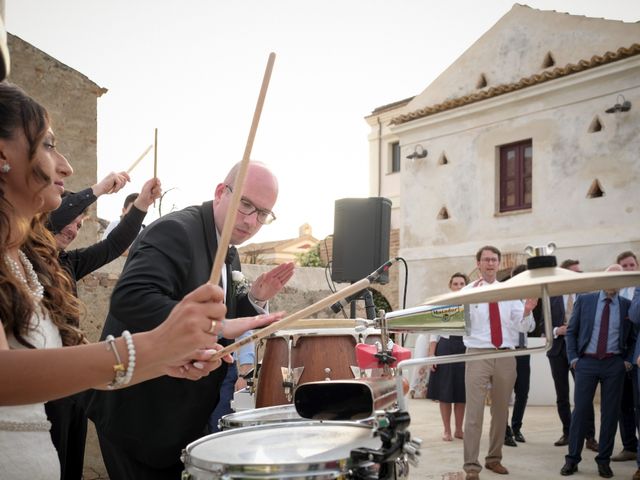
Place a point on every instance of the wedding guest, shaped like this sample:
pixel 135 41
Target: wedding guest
pixel 634 316
pixel 493 326
pixel 561 310
pixel 170 257
pixel 74 204
pixel 446 382
pixel 36 301
pixel 126 207
pixel 67 417
pixel 420 376
pixel 600 341
pixel 513 433
pixel 627 422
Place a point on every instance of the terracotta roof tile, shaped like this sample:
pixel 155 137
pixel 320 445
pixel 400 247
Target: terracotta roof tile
pixel 535 79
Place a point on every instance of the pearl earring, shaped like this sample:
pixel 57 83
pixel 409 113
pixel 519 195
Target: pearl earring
pixel 5 168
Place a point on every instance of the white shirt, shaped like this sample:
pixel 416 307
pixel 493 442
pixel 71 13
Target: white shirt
pixel 246 353
pixel 627 292
pixel 110 227
pixel 512 321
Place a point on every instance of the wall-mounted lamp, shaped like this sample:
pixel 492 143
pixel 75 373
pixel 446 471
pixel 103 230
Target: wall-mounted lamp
pixel 622 105
pixel 418 152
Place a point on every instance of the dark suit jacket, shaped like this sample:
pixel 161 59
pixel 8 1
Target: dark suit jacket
pixel 557 320
pixel 153 421
pixel 581 323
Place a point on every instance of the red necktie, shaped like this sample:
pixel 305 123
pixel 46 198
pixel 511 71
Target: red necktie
pixel 603 334
pixel 494 323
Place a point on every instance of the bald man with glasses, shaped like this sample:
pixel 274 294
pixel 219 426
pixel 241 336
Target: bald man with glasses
pixel 143 431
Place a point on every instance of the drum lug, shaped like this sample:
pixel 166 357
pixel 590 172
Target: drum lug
pixel 360 373
pixel 290 379
pixel 184 458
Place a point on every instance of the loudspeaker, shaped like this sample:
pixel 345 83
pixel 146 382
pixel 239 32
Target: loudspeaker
pixel 360 238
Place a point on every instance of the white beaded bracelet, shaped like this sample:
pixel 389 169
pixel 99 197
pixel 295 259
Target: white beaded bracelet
pixel 122 376
pixel 131 362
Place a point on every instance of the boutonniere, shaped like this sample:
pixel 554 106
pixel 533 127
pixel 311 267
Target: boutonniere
pixel 240 283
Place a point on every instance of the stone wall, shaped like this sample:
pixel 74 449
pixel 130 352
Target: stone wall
pixel 71 99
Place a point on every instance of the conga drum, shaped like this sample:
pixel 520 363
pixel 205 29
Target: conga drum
pixel 312 350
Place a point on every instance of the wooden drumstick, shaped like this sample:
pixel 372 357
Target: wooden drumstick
pixel 305 312
pixel 155 157
pixel 232 211
pixel 144 154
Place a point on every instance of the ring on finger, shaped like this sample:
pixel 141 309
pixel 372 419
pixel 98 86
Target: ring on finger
pixel 212 328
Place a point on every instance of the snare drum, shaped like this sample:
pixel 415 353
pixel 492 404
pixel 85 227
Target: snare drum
pixel 293 357
pixel 269 416
pixel 310 450
pixel 261 416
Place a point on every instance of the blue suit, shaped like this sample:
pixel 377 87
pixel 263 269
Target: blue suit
pixel 560 370
pixel 634 316
pixel 581 337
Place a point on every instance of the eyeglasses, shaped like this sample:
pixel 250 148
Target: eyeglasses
pixel 490 260
pixel 246 207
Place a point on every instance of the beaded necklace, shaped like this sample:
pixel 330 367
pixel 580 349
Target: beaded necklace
pixel 31 282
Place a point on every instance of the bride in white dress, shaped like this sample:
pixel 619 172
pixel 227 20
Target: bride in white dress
pixel 35 319
pixel 26 450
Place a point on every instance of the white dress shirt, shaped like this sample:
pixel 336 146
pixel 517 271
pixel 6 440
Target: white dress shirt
pixel 512 321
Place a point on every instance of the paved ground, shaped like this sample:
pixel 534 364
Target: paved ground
pixel 537 459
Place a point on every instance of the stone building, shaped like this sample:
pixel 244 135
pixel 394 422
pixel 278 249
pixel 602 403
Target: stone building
pixel 71 99
pixel 279 251
pixel 529 137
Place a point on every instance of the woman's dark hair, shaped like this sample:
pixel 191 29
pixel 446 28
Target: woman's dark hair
pixel 461 275
pixel 21 113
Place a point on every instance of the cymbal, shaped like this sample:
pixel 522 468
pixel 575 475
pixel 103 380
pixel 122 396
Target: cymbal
pixel 530 283
pixel 439 318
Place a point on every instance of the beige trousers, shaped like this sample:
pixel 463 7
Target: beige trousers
pixel 500 374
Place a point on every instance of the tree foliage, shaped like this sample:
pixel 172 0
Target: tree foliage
pixel 310 258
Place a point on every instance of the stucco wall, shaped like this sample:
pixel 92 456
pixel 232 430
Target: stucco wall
pixel 567 158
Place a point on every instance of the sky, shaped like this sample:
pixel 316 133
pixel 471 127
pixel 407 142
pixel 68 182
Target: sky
pixel 193 69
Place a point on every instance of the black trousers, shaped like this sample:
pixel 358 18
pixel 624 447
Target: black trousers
pixel 627 421
pixel 69 434
pixel 521 390
pixel 122 466
pixel 560 372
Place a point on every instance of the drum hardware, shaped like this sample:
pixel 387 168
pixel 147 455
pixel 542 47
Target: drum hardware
pixel 290 376
pixel 392 458
pixel 361 372
pixel 369 305
pixel 346 399
pixel 542 279
pixel 357 399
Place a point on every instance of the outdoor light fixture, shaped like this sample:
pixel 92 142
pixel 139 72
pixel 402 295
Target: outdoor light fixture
pixel 622 105
pixel 418 152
